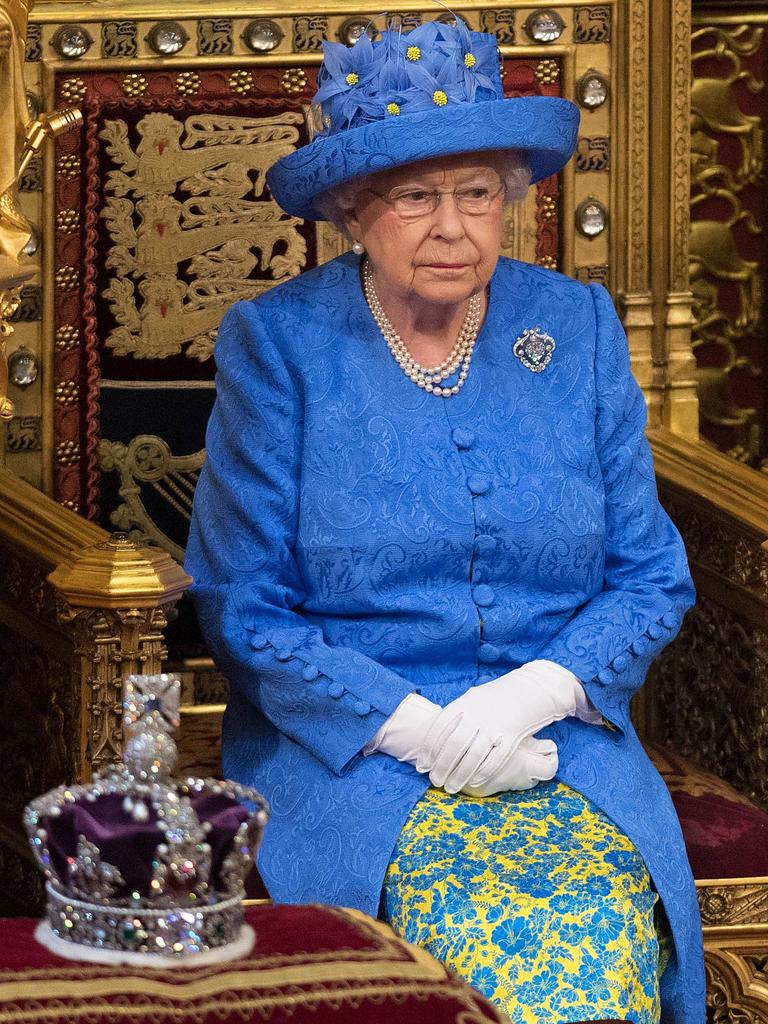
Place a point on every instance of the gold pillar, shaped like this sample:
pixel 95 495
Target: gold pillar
pixel 117 598
pixel 652 267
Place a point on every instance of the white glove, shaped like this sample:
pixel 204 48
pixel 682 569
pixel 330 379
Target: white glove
pixel 402 735
pixel 472 741
pixel 533 762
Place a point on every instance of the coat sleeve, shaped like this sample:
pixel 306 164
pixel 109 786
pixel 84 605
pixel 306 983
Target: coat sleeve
pixel 610 641
pixel 248 588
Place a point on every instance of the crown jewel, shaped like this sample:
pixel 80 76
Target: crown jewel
pixel 140 867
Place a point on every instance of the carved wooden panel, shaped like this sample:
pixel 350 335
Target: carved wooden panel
pixel 728 257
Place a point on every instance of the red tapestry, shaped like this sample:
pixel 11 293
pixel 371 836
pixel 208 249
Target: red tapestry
pixel 163 220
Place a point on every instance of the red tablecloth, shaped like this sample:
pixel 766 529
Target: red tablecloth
pixel 309 964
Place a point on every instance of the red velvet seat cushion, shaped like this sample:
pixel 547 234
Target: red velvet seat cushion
pixel 310 964
pixel 726 835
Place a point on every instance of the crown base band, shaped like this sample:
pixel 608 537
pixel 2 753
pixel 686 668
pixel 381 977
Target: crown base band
pixel 166 936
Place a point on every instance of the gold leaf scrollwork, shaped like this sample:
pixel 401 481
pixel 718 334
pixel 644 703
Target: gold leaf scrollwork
pixel 114 642
pixel 734 904
pixel 147 462
pixel 735 987
pixel 224 230
pixel 717 266
pixel 713 103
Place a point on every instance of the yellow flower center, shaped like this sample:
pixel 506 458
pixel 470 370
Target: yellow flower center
pixel 413 53
pixel 393 108
pixel 439 98
pixel 469 60
pixel 352 78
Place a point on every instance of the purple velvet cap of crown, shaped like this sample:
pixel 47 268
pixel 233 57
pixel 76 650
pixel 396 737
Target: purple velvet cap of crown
pixel 130 845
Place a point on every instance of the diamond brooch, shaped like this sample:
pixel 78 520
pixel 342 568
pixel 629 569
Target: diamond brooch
pixel 534 349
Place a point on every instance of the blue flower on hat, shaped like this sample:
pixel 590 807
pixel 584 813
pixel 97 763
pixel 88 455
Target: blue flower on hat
pixel 344 68
pixel 433 91
pixel 433 65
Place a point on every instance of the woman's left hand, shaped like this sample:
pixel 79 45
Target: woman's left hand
pixel 506 711
pixel 533 762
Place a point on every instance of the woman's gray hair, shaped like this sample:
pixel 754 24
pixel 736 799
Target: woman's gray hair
pixel 337 203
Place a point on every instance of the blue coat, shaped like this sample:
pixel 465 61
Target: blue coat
pixel 355 539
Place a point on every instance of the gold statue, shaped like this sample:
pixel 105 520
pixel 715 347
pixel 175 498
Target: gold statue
pixel 14 230
pixel 19 141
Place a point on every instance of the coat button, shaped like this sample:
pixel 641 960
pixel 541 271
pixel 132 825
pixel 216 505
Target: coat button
pixel 310 672
pixel 285 654
pixel 259 642
pixel 640 646
pixel 335 690
pixel 483 595
pixel 361 707
pixel 620 662
pixel 605 676
pixel 488 653
pixel 463 438
pixel 654 631
pixel 484 544
pixel 478 484
pixel 669 619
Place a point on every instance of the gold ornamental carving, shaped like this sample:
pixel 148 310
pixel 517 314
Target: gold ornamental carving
pixel 147 461
pixel 732 903
pixel 116 598
pixel 714 106
pixel 224 228
pixel 117 573
pixel 711 688
pixel 14 230
pixel 716 263
pixel 113 643
pixel 737 981
pixel 20 140
pixel 681 145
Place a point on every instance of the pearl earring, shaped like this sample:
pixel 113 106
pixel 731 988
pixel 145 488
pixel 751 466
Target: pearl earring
pixel 358 248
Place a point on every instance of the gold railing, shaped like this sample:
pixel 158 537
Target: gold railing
pixel 711 686
pixel 709 692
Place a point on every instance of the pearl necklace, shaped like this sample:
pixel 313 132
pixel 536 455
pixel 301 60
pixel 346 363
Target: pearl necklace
pixel 428 378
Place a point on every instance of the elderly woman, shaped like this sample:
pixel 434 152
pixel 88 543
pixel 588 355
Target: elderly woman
pixel 430 558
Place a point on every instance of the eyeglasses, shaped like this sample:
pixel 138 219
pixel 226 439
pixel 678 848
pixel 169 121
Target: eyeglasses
pixel 411 203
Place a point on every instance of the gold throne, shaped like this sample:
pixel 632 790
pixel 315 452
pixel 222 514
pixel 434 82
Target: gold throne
pixel 144 222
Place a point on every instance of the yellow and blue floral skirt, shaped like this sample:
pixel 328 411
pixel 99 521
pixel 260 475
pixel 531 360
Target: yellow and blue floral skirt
pixel 536 899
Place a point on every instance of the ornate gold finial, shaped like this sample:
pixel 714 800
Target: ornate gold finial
pixel 117 570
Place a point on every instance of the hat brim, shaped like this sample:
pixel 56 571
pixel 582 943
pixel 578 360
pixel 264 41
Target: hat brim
pixel 543 129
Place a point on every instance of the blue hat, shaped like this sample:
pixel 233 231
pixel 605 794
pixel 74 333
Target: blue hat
pixel 433 91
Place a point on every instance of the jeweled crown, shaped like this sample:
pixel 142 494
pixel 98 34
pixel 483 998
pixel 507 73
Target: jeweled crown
pixel 139 866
